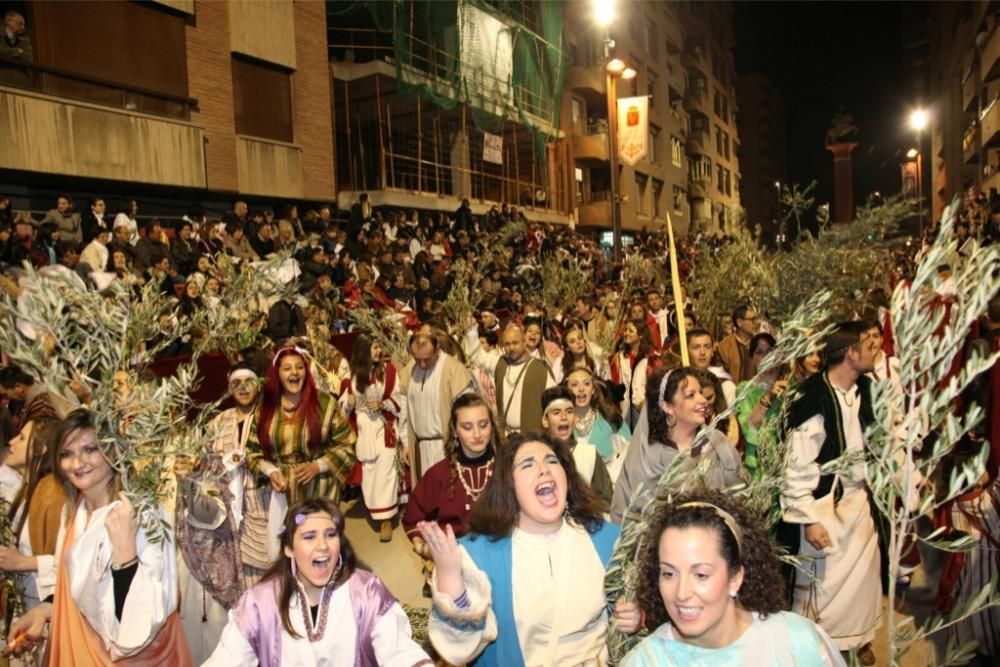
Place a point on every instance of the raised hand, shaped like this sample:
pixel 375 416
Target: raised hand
pixel 447 556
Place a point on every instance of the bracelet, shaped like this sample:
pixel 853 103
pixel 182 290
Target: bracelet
pixel 122 566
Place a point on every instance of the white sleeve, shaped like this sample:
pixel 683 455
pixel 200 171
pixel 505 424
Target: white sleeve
pixel 394 647
pixel 802 472
pixel 729 391
pixel 45 577
pixel 233 649
pixel 151 598
pixel 460 634
pixel 477 355
pixel 639 383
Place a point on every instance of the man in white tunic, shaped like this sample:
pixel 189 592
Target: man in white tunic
pixel 828 515
pixel 431 382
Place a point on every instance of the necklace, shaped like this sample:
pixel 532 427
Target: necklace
pixel 848 398
pixel 315 634
pixel 585 423
pixel 471 490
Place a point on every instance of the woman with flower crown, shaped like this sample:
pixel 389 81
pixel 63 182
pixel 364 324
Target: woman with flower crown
pixel 315 608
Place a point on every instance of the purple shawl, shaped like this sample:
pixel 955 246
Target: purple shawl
pixel 257 616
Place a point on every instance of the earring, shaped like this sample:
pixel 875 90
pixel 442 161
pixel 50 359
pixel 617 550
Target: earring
pixel 734 594
pixel 671 421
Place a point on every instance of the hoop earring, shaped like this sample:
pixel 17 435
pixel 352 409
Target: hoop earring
pixel 670 420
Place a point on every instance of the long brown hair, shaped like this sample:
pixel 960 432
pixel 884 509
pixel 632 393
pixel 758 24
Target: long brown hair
pixel 601 399
pixel 568 362
pixel 282 568
pixel 497 511
pixel 362 364
pixel 37 464
pixel 451 445
pixel 77 420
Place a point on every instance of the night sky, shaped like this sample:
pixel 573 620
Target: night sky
pixel 823 55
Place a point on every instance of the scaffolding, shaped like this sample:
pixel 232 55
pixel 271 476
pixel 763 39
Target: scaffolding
pixel 451 72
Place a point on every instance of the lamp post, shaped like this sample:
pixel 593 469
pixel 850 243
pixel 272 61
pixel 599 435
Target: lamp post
pixel 918 121
pixel 614 69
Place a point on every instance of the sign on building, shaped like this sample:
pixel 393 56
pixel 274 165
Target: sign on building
pixel 492 148
pixel 633 129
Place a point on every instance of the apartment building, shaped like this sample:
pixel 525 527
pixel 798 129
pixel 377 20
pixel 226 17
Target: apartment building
pixel 762 151
pixel 710 99
pixel 965 111
pixel 436 102
pixel 193 100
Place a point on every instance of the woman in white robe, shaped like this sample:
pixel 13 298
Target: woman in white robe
pixel 314 608
pixel 527 587
pixel 115 598
pixel 373 401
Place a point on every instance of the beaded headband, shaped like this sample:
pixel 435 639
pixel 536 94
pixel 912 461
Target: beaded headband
pixel 727 519
pixel 663 384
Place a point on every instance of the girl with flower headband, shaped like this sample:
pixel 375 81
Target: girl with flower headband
pixel 303 443
pixel 711 589
pixel 314 607
pixel 668 427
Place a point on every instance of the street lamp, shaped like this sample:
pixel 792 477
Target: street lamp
pixel 919 119
pixel 604 12
pixel 615 69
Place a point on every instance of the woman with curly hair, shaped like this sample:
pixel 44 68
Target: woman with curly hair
pixel 526 587
pixel 710 586
pixel 315 606
pixel 674 417
pixel 303 443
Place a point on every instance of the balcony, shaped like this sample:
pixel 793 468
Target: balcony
pixel 269 168
pixel 970 91
pixel 696 99
pixel 698 187
pixel 694 59
pixel 989 59
pixel 55 135
pixel 587 80
pixel 989 122
pixel 697 142
pixel 970 144
pixel 591 149
pixel 597 211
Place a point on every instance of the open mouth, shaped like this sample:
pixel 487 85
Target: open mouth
pixel 322 566
pixel 563 430
pixel 546 494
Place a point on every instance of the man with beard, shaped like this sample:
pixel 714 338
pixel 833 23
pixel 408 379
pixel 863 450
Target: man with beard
pixel 828 516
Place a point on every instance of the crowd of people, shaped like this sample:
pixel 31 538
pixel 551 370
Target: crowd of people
pixel 511 447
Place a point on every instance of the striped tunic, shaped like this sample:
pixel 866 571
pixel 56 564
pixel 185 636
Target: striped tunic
pixel 290 436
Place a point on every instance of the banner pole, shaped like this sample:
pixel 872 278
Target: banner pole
pixel 675 281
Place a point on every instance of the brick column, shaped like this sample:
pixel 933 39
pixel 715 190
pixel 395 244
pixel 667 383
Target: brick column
pixel 843 181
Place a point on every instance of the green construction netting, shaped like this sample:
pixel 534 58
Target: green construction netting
pixel 503 58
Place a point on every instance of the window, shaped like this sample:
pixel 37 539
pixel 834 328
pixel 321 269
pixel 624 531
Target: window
pixel 652 43
pixel 578 182
pixel 700 169
pixel 578 114
pixel 654 138
pixel 262 96
pixel 718 140
pixel 720 182
pixel 725 145
pixel 725 110
pixel 657 193
pixel 641 180
pixel 717 102
pixel 651 88
pixel 679 200
pixel 676 152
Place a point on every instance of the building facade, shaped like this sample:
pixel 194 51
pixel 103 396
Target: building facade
pixel 762 152
pixel 964 92
pixel 198 100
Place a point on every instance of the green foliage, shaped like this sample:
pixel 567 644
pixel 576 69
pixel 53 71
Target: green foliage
pixel 564 279
pixel 926 343
pixel 100 344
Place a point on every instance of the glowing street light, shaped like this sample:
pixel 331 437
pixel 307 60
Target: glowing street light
pixel 918 119
pixel 604 12
pixel 629 73
pixel 616 66
pixel 912 153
